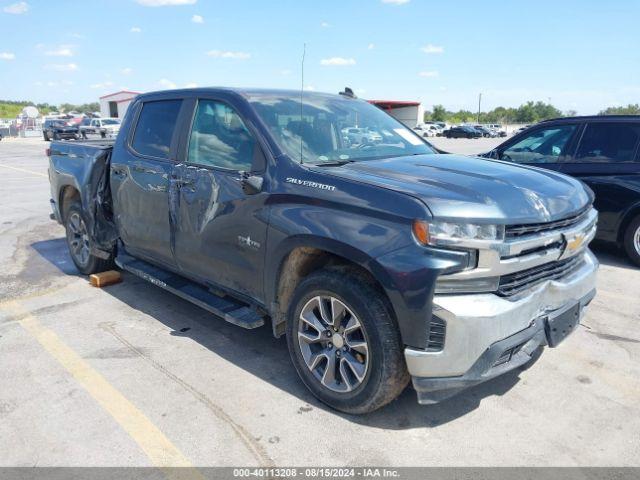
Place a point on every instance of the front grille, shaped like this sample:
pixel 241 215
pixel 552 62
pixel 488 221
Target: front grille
pixel 436 334
pixel 517 282
pixel 516 231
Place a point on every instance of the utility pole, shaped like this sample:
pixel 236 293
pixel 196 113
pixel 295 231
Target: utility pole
pixel 479 103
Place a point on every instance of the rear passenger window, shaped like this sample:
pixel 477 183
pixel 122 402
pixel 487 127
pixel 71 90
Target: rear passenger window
pixel 609 143
pixel 219 138
pixel 155 127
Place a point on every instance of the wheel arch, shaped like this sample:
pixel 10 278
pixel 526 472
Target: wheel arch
pixel 68 195
pixel 303 255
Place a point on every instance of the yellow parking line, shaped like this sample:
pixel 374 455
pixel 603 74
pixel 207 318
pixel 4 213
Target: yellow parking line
pixel 151 440
pixel 18 169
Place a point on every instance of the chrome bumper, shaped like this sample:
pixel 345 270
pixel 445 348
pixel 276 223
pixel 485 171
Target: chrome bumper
pixel 475 322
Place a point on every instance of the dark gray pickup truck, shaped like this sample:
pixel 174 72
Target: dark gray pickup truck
pixel 379 259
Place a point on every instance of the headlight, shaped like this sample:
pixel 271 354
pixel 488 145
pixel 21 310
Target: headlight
pixel 450 233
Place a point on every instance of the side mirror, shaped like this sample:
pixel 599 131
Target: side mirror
pixel 251 184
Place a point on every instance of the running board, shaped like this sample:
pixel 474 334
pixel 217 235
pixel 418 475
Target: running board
pixel 229 309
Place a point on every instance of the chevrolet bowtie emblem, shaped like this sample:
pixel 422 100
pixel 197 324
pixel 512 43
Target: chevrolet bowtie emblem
pixel 575 243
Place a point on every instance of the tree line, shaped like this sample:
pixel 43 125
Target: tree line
pixel 530 112
pixel 12 108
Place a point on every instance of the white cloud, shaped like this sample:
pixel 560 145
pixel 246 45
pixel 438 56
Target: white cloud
pixel 17 8
pixel 52 84
pixel 309 88
pixel 285 72
pixel 126 71
pixel 164 3
pixel 61 51
pixel 432 49
pixel 396 2
pixel 325 25
pixel 7 56
pixel 135 30
pixel 371 46
pixel 191 85
pixel 76 35
pixel 164 83
pixel 102 85
pixel 233 55
pixel 62 67
pixel 337 61
pixel 428 74
pixel 197 19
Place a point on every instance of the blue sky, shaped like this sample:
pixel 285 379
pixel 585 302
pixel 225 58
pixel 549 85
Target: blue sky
pixel 580 54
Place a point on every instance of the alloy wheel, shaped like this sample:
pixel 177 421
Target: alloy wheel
pixel 333 343
pixel 78 239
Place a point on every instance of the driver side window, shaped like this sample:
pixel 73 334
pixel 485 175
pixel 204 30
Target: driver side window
pixel 545 145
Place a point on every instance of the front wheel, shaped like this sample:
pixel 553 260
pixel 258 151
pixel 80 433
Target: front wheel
pixel 344 342
pixel 632 240
pixel 79 243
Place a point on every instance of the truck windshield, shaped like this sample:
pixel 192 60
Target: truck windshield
pixel 326 128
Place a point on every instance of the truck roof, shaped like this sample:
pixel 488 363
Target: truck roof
pixel 245 92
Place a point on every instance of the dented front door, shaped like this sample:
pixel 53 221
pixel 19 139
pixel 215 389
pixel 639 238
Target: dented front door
pixel 219 232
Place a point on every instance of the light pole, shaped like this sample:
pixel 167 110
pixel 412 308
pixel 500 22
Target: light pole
pixel 479 103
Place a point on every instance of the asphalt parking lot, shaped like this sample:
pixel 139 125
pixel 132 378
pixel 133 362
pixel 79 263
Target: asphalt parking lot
pixel 130 375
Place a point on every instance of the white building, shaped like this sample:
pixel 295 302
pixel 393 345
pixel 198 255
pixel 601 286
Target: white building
pixel 409 113
pixel 115 104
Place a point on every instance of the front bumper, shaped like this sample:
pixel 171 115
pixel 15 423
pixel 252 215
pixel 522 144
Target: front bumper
pixel 481 328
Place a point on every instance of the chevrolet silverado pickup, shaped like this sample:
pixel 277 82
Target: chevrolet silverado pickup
pixel 381 262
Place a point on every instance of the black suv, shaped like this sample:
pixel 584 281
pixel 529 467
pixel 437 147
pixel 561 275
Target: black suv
pixel 602 151
pixel 462 132
pixel 58 129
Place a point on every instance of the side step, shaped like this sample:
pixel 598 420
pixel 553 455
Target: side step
pixel 232 311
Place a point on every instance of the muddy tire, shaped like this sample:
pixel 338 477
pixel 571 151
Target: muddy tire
pixel 632 240
pixel 79 244
pixel 344 342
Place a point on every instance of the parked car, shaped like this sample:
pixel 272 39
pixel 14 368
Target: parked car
pixel 103 127
pixel 428 130
pixel 463 131
pixel 58 129
pixel 486 132
pixel 362 136
pixel 603 152
pixel 379 263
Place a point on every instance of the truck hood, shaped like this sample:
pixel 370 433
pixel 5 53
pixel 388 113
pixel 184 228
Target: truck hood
pixel 475 189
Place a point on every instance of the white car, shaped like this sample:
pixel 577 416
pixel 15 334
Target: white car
pixel 361 136
pixel 428 130
pixel 103 127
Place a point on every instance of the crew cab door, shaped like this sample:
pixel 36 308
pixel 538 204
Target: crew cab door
pixel 140 173
pixel 546 146
pixel 607 160
pixel 220 230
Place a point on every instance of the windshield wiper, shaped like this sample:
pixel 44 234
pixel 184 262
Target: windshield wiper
pixel 333 163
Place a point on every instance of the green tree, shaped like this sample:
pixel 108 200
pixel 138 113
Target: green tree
pixel 439 114
pixel 631 109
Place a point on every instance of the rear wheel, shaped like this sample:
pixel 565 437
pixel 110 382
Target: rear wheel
pixel 632 240
pixel 344 343
pixel 79 243
pixel 45 136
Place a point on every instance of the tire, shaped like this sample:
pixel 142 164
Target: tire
pixel 380 373
pixel 46 137
pixel 84 135
pixel 76 231
pixel 632 240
